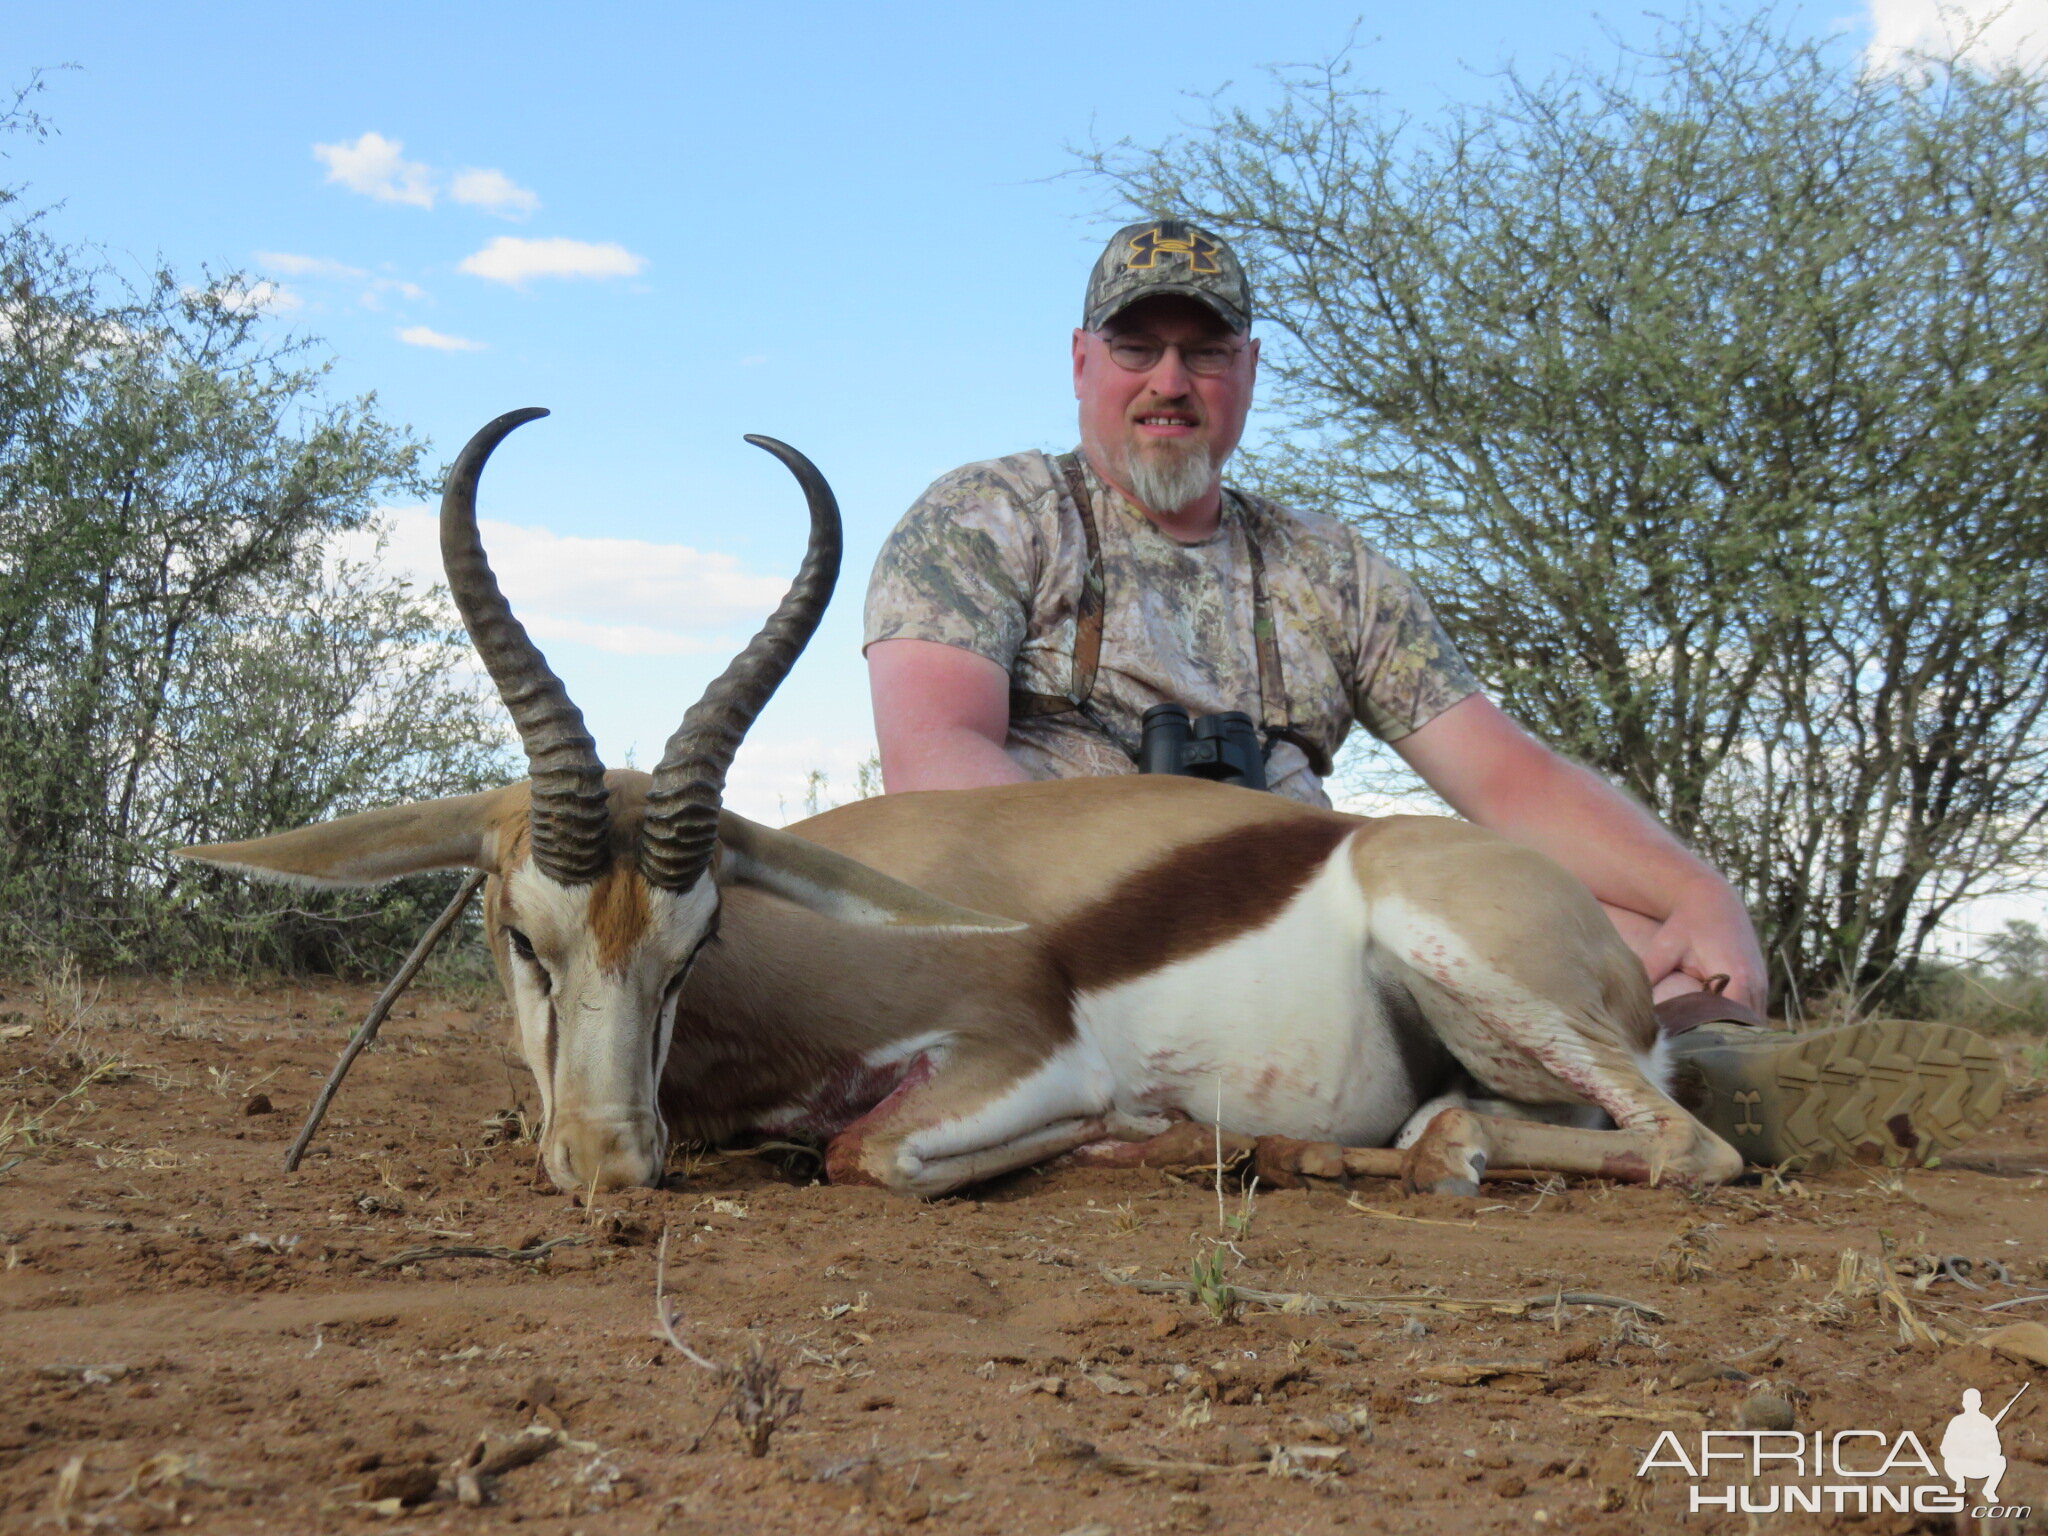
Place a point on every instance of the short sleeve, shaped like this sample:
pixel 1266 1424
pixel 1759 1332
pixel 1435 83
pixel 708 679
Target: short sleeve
pixel 1408 671
pixel 959 568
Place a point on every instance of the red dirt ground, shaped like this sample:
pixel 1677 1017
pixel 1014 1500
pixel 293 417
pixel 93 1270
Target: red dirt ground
pixel 192 1338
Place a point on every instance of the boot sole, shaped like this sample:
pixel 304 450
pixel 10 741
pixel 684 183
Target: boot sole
pixel 1891 1091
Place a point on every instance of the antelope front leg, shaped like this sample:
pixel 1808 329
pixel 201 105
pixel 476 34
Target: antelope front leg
pixel 1458 1147
pixel 972 1118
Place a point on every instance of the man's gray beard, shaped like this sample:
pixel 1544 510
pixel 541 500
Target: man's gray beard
pixel 1170 478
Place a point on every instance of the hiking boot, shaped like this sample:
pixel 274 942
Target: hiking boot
pixel 1891 1091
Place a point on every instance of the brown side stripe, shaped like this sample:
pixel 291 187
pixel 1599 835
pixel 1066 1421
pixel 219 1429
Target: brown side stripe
pixel 1194 899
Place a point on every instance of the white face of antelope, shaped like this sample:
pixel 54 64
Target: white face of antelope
pixel 593 931
pixel 594 973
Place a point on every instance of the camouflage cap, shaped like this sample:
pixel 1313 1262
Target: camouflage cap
pixel 1167 256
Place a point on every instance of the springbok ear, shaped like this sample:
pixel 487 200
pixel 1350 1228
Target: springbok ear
pixel 838 887
pixel 372 847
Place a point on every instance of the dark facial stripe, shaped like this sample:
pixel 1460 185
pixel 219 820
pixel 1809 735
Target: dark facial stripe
pixel 548 1047
pixel 1194 899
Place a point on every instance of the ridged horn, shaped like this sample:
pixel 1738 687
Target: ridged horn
pixel 682 803
pixel 571 814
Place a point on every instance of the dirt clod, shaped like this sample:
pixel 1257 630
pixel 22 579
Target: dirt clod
pixel 1766 1410
pixel 408 1485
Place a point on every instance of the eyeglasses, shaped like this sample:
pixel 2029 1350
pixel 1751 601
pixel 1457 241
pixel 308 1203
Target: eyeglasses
pixel 1141 354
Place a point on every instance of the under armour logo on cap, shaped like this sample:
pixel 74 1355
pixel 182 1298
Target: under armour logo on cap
pixel 1173 238
pixel 1162 256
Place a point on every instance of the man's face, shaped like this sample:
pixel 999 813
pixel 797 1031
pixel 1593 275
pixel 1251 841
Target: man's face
pixel 1166 424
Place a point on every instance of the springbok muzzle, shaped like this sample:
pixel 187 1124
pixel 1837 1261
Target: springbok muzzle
pixel 623 1150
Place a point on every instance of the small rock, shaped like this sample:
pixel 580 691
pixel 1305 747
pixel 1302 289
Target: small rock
pixel 1234 1448
pixel 1510 1487
pixel 541 1391
pixel 257 1104
pixel 1766 1410
pixel 408 1485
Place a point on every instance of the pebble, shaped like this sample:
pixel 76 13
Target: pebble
pixel 1766 1410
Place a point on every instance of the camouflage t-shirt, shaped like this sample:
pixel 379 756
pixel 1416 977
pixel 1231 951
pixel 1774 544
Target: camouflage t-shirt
pixel 991 559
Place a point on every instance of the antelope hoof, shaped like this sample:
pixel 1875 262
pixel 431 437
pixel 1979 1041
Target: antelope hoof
pixel 1281 1162
pixel 1449 1158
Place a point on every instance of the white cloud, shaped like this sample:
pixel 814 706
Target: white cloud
pixel 1986 32
pixel 307 266
pixel 372 297
pixel 626 597
pixel 261 297
pixel 494 192
pixel 375 166
pixel 422 336
pixel 509 259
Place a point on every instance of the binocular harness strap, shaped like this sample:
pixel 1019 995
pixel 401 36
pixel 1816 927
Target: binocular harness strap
pixel 1273 722
pixel 1087 612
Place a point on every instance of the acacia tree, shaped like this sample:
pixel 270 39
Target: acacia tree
pixel 182 655
pixel 1708 395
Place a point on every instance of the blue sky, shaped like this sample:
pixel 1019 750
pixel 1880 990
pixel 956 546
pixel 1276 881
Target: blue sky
pixel 857 228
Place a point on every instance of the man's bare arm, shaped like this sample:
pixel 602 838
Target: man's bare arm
pixel 1677 913
pixel 941 717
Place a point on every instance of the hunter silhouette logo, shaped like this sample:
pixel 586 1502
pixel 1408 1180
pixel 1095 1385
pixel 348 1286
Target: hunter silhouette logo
pixel 1969 1446
pixel 1148 245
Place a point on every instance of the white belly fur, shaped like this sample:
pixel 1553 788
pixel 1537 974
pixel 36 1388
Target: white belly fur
pixel 1277 1031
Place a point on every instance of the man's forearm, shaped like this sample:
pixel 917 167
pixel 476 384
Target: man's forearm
pixel 1622 853
pixel 946 759
pixel 1675 911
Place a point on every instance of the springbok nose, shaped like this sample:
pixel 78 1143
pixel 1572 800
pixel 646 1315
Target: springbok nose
pixel 605 1152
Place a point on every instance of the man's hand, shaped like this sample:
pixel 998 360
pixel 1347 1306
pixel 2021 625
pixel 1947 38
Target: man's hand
pixel 1682 919
pixel 1707 934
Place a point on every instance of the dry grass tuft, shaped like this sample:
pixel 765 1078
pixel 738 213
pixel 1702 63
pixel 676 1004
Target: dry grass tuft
pixel 1685 1258
pixel 757 1399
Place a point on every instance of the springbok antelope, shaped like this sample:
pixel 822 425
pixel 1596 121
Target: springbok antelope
pixel 948 986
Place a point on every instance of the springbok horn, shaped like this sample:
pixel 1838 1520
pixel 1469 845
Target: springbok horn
pixel 571 815
pixel 682 803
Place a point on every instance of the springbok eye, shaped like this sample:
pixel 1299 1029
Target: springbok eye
pixel 675 982
pixel 522 946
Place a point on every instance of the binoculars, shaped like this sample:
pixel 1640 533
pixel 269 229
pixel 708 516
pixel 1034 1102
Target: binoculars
pixel 1222 747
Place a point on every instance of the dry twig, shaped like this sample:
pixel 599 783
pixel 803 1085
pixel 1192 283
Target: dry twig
pixel 1308 1301
pixel 374 1019
pixel 758 1401
pixel 479 1251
